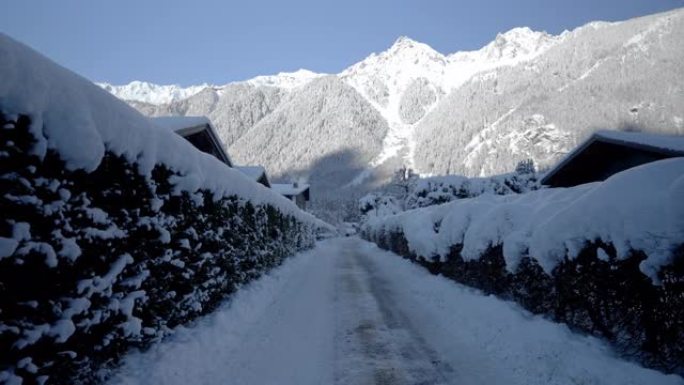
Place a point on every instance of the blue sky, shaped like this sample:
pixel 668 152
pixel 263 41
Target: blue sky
pixel 196 41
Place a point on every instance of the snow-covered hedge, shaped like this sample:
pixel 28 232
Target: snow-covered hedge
pixel 408 191
pixel 113 231
pixel 93 263
pixel 606 258
pixel 441 189
pixel 378 205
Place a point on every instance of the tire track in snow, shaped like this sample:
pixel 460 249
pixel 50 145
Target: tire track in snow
pixel 376 342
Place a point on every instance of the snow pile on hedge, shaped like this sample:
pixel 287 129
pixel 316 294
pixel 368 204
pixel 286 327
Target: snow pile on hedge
pixel 81 121
pixel 374 205
pixel 638 209
pixel 408 191
pixel 114 231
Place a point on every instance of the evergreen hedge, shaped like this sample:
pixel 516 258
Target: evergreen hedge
pixel 111 260
pixel 609 298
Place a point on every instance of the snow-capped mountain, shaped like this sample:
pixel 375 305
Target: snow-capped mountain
pixel 405 82
pixel 512 47
pixel 152 93
pixel 155 94
pixel 604 75
pixel 286 80
pixel 526 94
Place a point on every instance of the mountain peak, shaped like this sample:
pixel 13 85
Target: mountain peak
pixel 406 44
pixel 522 36
pixel 287 80
pixel 516 42
pixel 141 91
pixel 520 32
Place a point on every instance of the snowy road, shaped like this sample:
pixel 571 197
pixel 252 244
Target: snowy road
pixel 376 343
pixel 349 313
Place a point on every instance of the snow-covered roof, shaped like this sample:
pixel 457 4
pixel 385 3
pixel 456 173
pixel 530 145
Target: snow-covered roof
pixel 188 125
pixel 254 172
pixel 659 142
pixel 181 123
pixel 63 106
pixel 289 189
pixel 669 144
pixel 257 173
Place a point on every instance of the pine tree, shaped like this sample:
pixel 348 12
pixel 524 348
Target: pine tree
pixel 525 167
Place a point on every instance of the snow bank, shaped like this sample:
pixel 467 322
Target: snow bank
pixel 64 106
pixel 639 209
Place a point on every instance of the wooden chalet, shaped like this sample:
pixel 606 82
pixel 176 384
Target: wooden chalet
pixel 608 152
pixel 299 193
pixel 197 130
pixel 256 173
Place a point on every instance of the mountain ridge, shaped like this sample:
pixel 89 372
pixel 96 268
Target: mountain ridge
pixel 148 92
pixel 526 94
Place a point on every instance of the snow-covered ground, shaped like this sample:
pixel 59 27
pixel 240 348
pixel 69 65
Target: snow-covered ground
pixel 349 313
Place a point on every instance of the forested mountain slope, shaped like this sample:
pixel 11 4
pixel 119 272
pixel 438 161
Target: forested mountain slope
pixel 526 94
pixel 324 130
pixel 616 76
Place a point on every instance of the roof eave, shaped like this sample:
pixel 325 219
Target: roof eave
pixel 641 146
pixel 600 138
pixel 217 142
pixel 567 159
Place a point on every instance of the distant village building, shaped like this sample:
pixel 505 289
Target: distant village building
pixel 256 173
pixel 296 192
pixel 608 152
pixel 198 131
